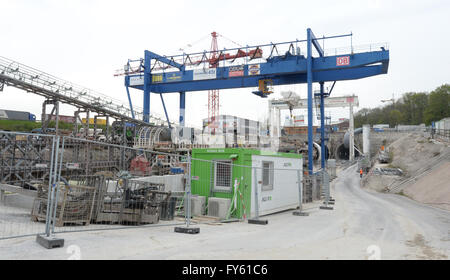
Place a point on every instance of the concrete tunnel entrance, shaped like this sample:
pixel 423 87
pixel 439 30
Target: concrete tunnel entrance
pixel 343 153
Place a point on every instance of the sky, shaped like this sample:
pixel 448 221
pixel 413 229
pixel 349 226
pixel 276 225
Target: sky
pixel 86 41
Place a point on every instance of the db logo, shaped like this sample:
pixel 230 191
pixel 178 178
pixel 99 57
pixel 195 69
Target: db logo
pixel 343 60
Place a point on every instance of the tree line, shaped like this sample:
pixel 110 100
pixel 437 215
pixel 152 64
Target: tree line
pixel 413 108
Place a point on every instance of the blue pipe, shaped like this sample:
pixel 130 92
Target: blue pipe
pixel 129 100
pixel 309 78
pixel 165 110
pixel 182 108
pixel 147 85
pixel 322 123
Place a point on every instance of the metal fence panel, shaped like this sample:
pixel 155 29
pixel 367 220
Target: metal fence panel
pixel 26 163
pixel 442 134
pixel 54 184
pixel 114 186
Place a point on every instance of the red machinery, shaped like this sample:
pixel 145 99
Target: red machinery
pixel 140 166
pixel 213 95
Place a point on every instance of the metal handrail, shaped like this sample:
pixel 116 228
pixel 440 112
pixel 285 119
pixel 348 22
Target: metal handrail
pixel 186 59
pixel 356 49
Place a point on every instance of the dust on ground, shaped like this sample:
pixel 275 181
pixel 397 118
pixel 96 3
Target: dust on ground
pixel 424 251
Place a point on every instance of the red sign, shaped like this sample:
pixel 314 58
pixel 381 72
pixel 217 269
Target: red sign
pixel 236 71
pixel 343 60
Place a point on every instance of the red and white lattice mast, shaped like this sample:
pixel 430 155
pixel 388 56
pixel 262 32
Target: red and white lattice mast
pixel 213 95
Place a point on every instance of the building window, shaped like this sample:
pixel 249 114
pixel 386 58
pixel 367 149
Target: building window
pixel 222 175
pixel 267 174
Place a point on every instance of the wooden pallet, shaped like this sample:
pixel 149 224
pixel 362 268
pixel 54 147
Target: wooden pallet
pixel 68 211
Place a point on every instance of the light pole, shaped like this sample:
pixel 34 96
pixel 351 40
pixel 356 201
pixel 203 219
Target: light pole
pixel 393 103
pixel 390 100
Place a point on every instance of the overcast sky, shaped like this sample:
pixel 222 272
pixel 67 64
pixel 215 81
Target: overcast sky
pixel 86 41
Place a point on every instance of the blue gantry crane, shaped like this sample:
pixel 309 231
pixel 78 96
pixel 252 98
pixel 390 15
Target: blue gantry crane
pixel 248 69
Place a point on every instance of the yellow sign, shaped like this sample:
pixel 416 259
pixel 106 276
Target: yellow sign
pixel 157 78
pixel 91 121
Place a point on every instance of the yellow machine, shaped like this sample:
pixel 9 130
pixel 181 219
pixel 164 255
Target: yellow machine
pixel 265 88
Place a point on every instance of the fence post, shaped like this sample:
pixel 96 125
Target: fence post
pixel 326 185
pixel 54 183
pixel 57 185
pixel 48 241
pixel 189 196
pixel 300 189
pixel 49 194
pixel 328 182
pixel 313 186
pixel 300 196
pixel 187 229
pixel 256 184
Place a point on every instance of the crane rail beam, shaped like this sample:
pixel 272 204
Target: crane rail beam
pixel 282 70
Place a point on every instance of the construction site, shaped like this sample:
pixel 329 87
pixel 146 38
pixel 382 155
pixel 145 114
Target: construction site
pixel 298 183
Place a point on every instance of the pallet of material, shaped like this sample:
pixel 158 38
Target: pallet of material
pixel 132 203
pixel 74 206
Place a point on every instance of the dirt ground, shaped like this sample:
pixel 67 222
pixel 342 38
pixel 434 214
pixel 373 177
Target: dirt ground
pixel 426 167
pixel 413 152
pixel 434 188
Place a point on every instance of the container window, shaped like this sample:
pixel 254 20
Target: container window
pixel 267 182
pixel 222 175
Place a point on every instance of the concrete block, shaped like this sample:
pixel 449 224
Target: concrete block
pixel 300 214
pixel 258 222
pixel 326 208
pixel 187 230
pixel 49 242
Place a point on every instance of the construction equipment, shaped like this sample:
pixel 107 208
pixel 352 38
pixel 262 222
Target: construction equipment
pixel 213 95
pixel 131 203
pixel 291 101
pixel 265 88
pixel 290 67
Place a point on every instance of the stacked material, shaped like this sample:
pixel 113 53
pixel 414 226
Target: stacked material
pixel 172 183
pixel 74 205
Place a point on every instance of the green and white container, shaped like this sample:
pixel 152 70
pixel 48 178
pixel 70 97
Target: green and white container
pixel 230 174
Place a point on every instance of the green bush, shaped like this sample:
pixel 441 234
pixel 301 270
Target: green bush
pixel 21 126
